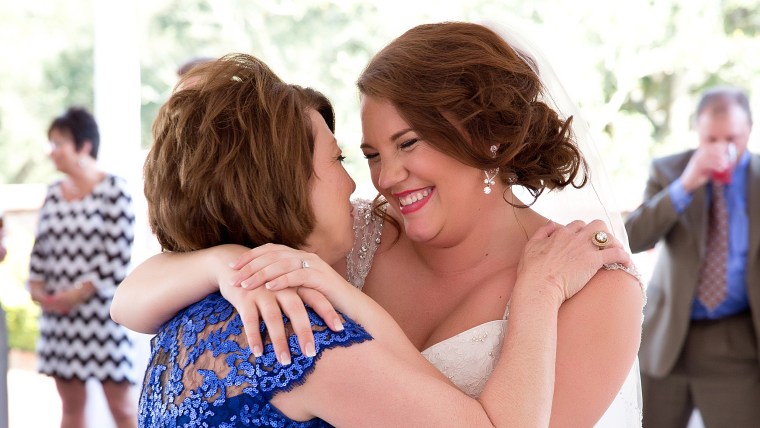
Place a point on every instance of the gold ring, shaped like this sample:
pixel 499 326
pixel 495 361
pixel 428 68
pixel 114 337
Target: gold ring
pixel 600 239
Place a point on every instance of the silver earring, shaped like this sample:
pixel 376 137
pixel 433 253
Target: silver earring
pixel 489 181
pixel 491 173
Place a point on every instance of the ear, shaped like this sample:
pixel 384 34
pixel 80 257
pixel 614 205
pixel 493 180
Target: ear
pixel 86 148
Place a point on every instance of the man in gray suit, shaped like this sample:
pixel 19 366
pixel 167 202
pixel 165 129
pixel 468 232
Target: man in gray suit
pixel 702 319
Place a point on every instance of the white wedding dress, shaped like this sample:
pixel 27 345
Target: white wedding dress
pixel 468 358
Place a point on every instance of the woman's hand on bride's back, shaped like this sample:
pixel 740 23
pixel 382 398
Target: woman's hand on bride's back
pixel 565 258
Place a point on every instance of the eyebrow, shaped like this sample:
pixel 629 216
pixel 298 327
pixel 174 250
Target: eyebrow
pixel 394 137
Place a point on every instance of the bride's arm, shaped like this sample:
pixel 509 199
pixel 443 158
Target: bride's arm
pixel 599 332
pixel 164 284
pixel 371 384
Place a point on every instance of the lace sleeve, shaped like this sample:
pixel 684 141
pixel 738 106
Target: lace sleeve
pixel 367 230
pixel 202 373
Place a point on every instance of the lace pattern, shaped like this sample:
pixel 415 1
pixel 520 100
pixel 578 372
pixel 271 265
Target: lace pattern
pixel 202 372
pixel 367 230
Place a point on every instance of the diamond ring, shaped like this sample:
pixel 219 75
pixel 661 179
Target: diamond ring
pixel 304 264
pixel 600 239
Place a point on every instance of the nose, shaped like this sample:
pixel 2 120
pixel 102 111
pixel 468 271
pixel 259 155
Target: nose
pixel 391 172
pixel 353 183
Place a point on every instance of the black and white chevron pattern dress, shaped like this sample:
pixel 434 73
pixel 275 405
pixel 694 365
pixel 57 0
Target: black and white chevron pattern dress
pixel 85 240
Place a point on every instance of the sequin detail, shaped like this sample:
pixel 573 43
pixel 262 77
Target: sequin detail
pixel 368 228
pixel 203 374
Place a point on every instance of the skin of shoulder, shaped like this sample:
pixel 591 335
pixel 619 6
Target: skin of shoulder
pixel 599 332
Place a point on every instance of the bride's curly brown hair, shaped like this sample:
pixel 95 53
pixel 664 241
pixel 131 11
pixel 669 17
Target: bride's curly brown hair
pixel 463 88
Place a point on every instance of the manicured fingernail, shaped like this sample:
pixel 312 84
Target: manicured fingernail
pixel 285 359
pixel 337 325
pixel 245 284
pixel 310 351
pixel 257 351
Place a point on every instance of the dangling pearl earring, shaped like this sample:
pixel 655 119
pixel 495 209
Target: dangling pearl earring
pixel 491 173
pixel 489 181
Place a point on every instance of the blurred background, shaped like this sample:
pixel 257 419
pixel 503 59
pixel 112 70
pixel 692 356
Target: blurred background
pixel 634 67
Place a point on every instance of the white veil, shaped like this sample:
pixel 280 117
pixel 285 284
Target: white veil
pixel 593 201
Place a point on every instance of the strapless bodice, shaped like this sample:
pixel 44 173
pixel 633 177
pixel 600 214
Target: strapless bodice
pixel 468 358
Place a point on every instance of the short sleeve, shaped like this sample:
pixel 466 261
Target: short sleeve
pixel 41 247
pixel 108 267
pixel 274 377
pixel 202 372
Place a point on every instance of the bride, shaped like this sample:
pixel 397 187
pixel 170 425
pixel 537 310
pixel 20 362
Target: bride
pixel 454 118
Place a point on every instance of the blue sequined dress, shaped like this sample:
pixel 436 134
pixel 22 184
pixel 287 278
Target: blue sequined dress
pixel 202 373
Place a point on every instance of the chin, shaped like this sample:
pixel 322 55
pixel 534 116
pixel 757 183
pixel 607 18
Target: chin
pixel 418 234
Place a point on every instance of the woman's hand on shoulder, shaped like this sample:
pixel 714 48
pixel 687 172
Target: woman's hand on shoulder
pixel 566 257
pixel 278 266
pixel 268 306
pixel 271 280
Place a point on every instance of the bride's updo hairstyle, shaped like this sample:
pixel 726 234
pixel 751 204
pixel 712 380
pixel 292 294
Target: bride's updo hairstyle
pixel 462 88
pixel 232 158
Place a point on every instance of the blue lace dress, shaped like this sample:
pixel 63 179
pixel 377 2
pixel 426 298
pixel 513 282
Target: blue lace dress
pixel 202 373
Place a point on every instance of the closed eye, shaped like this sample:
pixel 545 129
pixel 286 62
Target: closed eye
pixel 409 143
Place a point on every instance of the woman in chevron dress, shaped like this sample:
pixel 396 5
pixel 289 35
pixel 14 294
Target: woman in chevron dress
pixel 81 253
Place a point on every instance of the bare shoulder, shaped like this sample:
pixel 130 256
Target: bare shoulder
pixel 619 284
pixel 611 302
pixel 609 292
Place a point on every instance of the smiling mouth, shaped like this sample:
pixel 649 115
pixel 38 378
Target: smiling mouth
pixel 413 197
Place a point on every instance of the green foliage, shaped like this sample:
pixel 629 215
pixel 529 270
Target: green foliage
pixel 47 63
pixel 741 16
pixel 68 78
pixel 22 327
pixel 636 68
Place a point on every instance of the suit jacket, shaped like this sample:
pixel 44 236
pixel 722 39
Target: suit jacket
pixel 673 285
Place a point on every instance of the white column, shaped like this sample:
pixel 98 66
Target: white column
pixel 117 87
pixel 117 110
